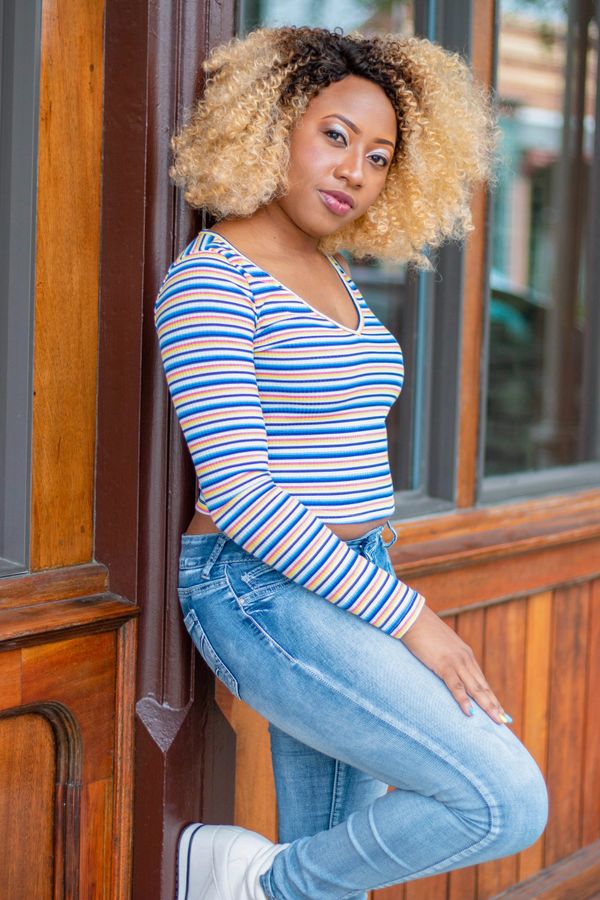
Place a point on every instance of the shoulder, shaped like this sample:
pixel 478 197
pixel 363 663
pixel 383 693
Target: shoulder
pixel 211 266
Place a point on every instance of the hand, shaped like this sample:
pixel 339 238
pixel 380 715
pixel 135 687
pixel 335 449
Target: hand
pixel 442 651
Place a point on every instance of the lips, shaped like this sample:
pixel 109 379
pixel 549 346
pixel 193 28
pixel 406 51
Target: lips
pixel 336 201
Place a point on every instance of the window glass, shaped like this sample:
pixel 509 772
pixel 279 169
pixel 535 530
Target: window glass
pixel 543 304
pixel 20 25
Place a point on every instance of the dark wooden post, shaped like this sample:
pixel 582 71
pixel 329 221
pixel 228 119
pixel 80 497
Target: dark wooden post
pixel 145 484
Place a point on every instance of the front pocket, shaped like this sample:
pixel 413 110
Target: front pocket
pixel 209 654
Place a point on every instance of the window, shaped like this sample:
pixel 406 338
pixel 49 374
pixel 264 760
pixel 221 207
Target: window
pixel 541 416
pixel 19 104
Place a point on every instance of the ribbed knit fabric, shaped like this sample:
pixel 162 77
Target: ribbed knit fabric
pixel 283 410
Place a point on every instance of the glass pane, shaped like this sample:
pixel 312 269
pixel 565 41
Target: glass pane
pixel 546 83
pixel 383 285
pixel 19 105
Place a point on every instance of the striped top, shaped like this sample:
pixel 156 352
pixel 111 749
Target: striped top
pixel 283 410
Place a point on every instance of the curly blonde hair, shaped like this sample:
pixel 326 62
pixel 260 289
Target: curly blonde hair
pixel 232 155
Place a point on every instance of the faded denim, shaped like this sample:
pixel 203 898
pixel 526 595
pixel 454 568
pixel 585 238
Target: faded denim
pixel 351 710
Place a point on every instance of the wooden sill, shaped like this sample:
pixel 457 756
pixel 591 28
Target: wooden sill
pixel 476 535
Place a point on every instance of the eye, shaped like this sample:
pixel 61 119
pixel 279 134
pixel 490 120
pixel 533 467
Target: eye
pixel 381 157
pixel 336 133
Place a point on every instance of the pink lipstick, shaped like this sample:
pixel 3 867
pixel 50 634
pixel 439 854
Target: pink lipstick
pixel 336 206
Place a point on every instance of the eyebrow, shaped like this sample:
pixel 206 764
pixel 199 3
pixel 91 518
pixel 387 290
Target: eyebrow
pixel 355 129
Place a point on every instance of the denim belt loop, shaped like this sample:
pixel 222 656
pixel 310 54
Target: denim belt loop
pixel 214 555
pixel 393 530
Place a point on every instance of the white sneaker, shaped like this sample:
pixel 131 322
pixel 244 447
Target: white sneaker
pixel 223 862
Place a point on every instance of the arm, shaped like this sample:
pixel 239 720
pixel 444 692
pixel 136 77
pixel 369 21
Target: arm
pixel 205 319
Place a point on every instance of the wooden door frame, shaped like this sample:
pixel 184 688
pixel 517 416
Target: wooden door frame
pixel 144 486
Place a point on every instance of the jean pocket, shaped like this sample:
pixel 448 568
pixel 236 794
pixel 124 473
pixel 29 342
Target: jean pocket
pixel 209 654
pixel 253 584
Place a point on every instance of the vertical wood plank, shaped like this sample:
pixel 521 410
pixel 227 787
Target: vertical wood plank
pixel 95 850
pixel 567 709
pixel 435 887
pixel 470 627
pixel 504 663
pixel 535 706
pixel 590 830
pixel 67 272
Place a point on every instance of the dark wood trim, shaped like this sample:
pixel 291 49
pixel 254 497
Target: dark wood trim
pixel 575 878
pixel 145 487
pixel 124 763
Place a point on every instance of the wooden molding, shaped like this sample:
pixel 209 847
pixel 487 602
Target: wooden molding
pixel 56 620
pixel 53 584
pixel 67 275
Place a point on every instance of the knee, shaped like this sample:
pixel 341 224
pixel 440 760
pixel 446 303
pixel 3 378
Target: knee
pixel 520 806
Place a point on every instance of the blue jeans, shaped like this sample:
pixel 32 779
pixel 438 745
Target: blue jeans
pixel 351 710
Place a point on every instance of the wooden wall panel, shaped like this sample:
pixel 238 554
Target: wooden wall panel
pixel 27 772
pixel 78 686
pixel 67 278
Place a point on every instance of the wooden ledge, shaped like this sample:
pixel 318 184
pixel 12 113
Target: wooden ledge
pixel 53 584
pixel 55 620
pixel 480 535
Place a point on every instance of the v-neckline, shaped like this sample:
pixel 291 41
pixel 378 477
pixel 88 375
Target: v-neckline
pixel 348 283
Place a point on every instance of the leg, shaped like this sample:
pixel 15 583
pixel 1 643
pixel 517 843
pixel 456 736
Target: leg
pixel 314 791
pixel 466 789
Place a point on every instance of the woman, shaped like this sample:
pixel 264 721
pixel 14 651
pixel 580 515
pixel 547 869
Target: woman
pixel 307 142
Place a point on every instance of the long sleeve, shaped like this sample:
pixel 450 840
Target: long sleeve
pixel 205 317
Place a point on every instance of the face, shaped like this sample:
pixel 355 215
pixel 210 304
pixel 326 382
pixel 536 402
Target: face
pixel 343 144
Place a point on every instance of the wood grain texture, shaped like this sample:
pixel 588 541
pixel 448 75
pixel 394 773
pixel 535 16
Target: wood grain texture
pixel 67 276
pixel 474 288
pixel 89 696
pixel 576 877
pixel 10 679
pixel 591 760
pixel 27 770
pixel 567 721
pixel 462 883
pixel 536 703
pixel 53 584
pixel 503 666
pixel 81 688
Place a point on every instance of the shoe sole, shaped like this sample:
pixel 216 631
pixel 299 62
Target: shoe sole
pixel 183 859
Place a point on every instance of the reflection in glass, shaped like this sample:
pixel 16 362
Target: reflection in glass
pixel 546 85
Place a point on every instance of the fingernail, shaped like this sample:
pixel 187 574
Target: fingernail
pixel 472 710
pixel 505 718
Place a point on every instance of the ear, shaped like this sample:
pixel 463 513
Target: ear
pixel 343 262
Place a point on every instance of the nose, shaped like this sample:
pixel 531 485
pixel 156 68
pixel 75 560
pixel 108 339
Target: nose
pixel 351 168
